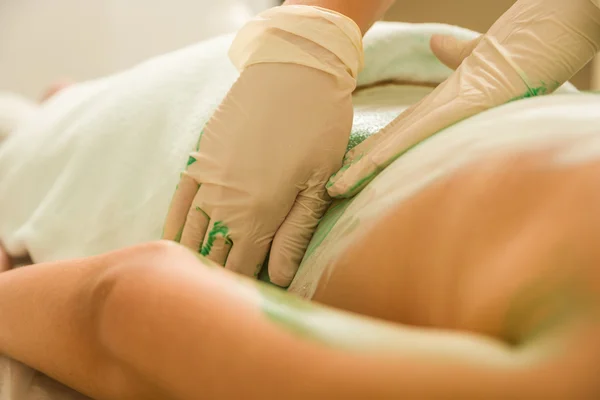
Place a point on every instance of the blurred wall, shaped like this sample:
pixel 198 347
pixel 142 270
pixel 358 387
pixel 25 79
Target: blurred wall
pixel 45 40
pixel 477 15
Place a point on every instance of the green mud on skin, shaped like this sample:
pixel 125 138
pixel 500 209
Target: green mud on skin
pixel 288 311
pixel 335 329
pixel 219 230
pixel 325 226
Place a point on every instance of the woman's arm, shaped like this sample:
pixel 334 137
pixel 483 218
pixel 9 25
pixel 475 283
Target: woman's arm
pixel 364 12
pixel 153 322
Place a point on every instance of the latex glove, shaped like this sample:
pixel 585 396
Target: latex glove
pixel 451 51
pixel 257 180
pixel 535 47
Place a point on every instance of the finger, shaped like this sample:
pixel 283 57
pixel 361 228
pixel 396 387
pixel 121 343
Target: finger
pixel 180 205
pixel 247 256
pixel 196 224
pixel 432 113
pixel 451 51
pixel 217 242
pixel 352 180
pixel 358 152
pixel 293 236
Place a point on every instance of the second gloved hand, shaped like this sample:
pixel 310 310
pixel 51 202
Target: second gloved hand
pixel 535 47
pixel 257 180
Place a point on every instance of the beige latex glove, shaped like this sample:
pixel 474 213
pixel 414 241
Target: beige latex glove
pixel 532 49
pixel 257 179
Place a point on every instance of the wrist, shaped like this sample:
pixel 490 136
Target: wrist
pixel 301 35
pixel 363 13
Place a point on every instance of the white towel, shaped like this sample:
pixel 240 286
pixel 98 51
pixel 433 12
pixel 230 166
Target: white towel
pixel 96 168
pixel 14 111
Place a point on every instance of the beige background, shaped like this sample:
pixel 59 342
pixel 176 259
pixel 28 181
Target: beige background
pixel 45 40
pixel 478 15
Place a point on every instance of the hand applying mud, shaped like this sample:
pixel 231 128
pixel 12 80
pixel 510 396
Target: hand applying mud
pixel 256 182
pixel 535 47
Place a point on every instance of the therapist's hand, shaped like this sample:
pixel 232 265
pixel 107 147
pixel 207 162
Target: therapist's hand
pixel 257 179
pixel 535 47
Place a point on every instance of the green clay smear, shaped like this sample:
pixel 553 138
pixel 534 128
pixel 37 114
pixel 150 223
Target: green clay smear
pixel 178 236
pixel 326 224
pixel 343 331
pixel 202 211
pixel 535 91
pixel 219 230
pixel 288 311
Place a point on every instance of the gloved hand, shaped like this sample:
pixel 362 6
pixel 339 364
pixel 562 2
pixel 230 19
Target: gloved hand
pixel 532 49
pixel 257 179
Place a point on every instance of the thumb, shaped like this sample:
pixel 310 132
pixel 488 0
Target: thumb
pixel 294 234
pixel 451 51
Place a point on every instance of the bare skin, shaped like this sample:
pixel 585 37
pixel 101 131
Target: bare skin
pixel 112 323
pixel 495 249
pixel 364 13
